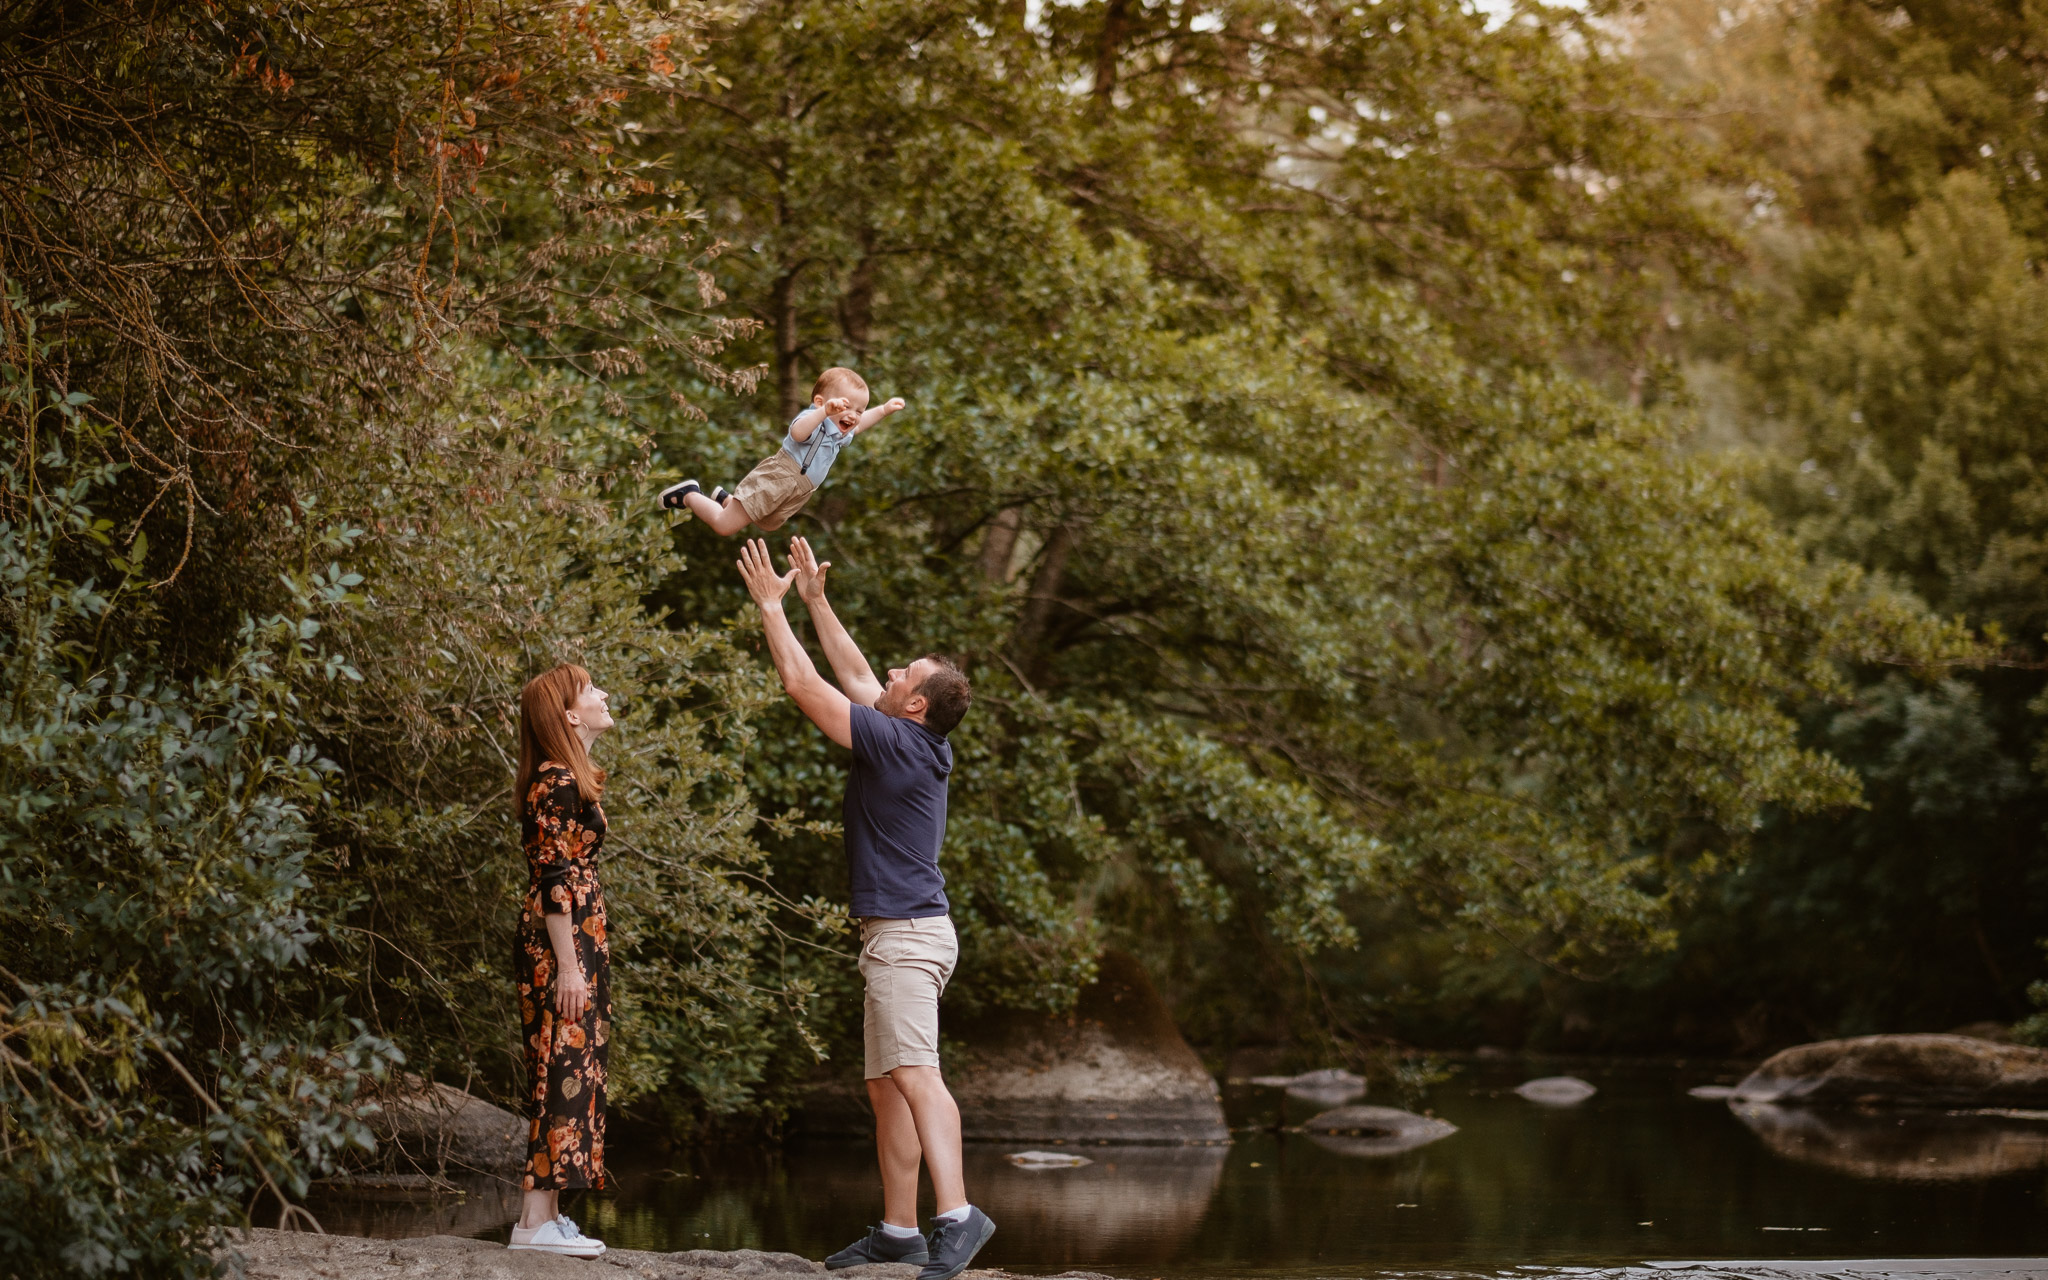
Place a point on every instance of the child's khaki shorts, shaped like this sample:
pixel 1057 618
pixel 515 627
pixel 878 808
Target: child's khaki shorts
pixel 906 964
pixel 774 491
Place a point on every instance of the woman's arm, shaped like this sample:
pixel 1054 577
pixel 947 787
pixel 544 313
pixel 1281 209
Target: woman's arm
pixel 572 987
pixel 557 813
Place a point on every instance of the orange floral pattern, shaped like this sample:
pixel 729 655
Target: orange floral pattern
pixel 565 1061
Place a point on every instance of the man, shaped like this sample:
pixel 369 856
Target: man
pixel 895 819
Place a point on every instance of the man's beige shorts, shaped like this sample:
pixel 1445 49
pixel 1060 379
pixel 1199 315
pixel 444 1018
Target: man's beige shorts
pixel 774 491
pixel 906 964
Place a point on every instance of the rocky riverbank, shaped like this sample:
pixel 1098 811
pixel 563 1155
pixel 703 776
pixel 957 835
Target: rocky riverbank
pixel 297 1255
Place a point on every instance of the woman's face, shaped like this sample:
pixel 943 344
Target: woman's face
pixel 589 715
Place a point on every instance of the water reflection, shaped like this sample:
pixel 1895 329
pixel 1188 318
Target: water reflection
pixel 465 1205
pixel 1639 1171
pixel 1119 1209
pixel 1910 1146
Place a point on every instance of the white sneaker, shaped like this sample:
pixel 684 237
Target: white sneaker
pixel 549 1237
pixel 572 1231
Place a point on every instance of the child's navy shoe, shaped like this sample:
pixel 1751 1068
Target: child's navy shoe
pixel 672 497
pixel 721 495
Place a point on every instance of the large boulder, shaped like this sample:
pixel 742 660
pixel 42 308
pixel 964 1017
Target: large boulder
pixel 440 1128
pixel 290 1255
pixel 1116 1071
pixel 1908 1070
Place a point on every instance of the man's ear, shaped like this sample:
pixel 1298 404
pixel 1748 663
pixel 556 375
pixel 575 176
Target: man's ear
pixel 916 705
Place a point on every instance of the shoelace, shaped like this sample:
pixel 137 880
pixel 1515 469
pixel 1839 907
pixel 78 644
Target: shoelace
pixel 569 1228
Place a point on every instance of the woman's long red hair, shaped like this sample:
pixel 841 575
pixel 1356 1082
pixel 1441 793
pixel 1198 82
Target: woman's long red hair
pixel 545 734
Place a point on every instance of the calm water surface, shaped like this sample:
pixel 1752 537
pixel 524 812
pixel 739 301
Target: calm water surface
pixel 1639 1172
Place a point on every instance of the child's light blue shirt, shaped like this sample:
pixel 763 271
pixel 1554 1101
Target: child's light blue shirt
pixel 815 455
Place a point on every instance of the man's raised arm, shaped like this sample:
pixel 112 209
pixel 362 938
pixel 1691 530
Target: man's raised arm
pixel 813 695
pixel 856 677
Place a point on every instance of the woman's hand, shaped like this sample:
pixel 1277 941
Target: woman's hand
pixel 572 994
pixel 572 989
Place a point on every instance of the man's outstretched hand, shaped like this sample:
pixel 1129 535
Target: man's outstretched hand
pixel 810 575
pixel 758 571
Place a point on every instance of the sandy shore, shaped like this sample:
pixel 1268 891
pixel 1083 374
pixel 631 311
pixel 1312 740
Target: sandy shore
pixel 295 1255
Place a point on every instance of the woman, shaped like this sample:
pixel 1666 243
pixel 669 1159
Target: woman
pixel 562 959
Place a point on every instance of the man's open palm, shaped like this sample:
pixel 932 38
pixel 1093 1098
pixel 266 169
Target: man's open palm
pixel 810 575
pixel 758 571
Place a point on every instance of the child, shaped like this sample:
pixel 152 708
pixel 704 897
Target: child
pixel 785 480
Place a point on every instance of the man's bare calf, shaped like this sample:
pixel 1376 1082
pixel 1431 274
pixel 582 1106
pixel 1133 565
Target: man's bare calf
pixel 916 1119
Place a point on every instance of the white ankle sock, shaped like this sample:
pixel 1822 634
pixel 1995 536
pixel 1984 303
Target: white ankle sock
pixel 895 1232
pixel 954 1215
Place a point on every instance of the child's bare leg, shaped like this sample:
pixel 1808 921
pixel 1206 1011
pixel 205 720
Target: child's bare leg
pixel 724 521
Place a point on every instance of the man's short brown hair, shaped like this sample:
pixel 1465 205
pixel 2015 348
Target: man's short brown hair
pixel 837 376
pixel 945 693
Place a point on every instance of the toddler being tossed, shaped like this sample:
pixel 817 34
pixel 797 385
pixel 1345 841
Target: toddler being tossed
pixel 784 481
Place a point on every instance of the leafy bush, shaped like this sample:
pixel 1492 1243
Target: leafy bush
pixel 154 838
pixel 516 532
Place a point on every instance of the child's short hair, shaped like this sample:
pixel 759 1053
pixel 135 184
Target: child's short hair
pixel 837 376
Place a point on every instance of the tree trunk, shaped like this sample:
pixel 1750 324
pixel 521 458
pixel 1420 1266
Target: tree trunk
pixel 999 543
pixel 857 305
pixel 1032 627
pixel 1115 27
pixel 787 385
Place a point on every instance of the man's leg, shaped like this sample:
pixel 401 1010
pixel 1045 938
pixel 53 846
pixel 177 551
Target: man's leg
pixel 924 1100
pixel 898 1149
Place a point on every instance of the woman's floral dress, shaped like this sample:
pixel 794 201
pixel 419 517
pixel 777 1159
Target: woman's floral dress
pixel 565 1062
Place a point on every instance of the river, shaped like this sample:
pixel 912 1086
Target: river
pixel 1639 1172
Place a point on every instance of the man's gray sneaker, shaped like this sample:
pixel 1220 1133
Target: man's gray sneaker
pixel 954 1245
pixel 879 1246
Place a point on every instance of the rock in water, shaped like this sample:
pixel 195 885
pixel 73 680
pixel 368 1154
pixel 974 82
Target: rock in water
pixel 1329 1085
pixel 1375 1131
pixel 1556 1091
pixel 441 1128
pixel 1117 1071
pixel 1908 1070
pixel 1047 1159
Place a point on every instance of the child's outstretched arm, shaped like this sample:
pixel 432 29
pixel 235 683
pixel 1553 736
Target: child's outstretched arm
pixel 801 426
pixel 876 414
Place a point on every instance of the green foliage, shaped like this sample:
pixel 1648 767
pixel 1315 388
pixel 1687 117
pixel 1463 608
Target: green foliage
pixel 258 219
pixel 1286 595
pixel 1891 371
pixel 1310 596
pixel 155 1073
pixel 511 535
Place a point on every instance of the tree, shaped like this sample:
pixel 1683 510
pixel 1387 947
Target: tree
pixel 1888 367
pixel 1287 585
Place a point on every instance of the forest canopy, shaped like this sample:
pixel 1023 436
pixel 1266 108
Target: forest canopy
pixel 1435 509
